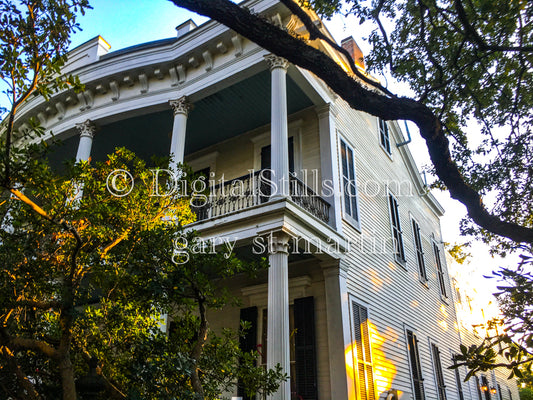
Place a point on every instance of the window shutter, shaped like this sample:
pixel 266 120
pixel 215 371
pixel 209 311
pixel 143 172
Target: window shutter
pixel 248 342
pixel 485 382
pixel 419 251
pixel 458 379
pixel 396 228
pixel 441 387
pixel 361 338
pixel 478 387
pixel 440 272
pixel 305 350
pixel 416 368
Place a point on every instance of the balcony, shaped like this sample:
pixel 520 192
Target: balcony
pixel 254 189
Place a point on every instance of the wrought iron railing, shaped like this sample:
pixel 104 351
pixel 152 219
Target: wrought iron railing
pixel 254 189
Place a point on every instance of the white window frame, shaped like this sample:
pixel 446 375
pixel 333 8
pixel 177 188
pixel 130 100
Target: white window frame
pixel 355 222
pixel 398 258
pixel 416 333
pixel 352 299
pixel 384 131
pixel 434 362
pixel 422 277
pixel 437 259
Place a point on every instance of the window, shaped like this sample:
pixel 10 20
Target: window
pixel 349 183
pixel 266 161
pixel 485 387
pixel 499 391
pixel 416 367
pixel 384 137
pixel 396 229
pixel 439 376
pixel 458 380
pixel 419 251
pixel 363 369
pixel 303 369
pixel 440 272
pixel 510 394
pixel 478 387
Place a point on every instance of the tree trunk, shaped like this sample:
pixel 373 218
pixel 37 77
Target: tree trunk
pixel 67 378
pixel 197 350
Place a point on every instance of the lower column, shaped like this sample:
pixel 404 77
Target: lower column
pixel 278 347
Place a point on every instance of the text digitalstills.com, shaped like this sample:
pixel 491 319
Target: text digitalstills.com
pixel 201 189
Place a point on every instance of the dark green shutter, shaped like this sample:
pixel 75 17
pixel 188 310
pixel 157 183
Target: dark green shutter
pixel 416 367
pixel 441 387
pixel 305 349
pixel 248 342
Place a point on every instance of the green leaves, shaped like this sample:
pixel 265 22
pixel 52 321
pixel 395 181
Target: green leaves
pixel 471 63
pixel 115 278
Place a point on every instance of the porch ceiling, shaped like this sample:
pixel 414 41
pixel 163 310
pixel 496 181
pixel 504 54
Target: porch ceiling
pixel 236 110
pixel 229 112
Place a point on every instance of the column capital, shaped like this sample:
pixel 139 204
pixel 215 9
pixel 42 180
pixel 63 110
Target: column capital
pixel 86 129
pixel 275 61
pixel 180 106
pixel 279 243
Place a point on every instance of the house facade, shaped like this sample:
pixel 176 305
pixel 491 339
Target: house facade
pixel 474 311
pixel 357 301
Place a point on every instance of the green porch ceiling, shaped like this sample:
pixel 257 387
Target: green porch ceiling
pixel 230 112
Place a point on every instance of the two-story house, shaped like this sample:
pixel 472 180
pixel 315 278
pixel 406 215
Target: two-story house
pixel 356 301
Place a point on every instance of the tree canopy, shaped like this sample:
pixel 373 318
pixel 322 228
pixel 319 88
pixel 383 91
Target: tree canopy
pixel 469 65
pixel 87 273
pixel 88 278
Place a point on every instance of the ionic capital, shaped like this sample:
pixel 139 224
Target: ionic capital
pixel 86 129
pixel 275 61
pixel 180 106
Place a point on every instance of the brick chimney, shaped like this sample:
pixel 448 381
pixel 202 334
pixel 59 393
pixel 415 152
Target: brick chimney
pixel 351 46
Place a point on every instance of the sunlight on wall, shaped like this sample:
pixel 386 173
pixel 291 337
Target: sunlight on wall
pixel 443 323
pixel 384 369
pixel 376 280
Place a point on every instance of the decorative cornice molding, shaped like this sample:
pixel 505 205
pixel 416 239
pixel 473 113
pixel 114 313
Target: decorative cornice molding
pixel 180 106
pixel 86 129
pixel 276 62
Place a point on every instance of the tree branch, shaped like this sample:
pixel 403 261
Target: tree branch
pixel 360 98
pixel 314 33
pixel 471 33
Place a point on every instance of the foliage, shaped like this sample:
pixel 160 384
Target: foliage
pixel 458 252
pixel 527 379
pixel 90 276
pixel 509 337
pixel 471 62
pixel 526 393
pixel 34 39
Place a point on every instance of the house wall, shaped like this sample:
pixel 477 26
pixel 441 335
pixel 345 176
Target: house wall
pixel 394 294
pixel 474 309
pixel 305 280
pixel 234 157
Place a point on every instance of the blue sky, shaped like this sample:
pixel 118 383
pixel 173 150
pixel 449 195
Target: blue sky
pixel 123 23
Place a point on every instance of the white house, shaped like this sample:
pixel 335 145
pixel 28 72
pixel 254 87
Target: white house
pixel 356 303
